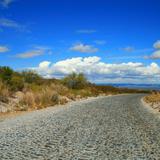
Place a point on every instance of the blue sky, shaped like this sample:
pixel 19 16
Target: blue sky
pixel 109 40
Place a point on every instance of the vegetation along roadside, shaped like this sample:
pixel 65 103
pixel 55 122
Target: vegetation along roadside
pixel 27 90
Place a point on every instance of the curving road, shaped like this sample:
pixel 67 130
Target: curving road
pixel 117 127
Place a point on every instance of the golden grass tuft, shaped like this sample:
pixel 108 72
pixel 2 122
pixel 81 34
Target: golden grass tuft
pixel 38 100
pixel 153 98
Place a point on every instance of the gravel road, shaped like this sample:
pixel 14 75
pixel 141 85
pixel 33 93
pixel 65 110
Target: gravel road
pixel 106 128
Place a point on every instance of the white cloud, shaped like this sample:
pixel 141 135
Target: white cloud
pixel 8 23
pixel 155 55
pixel 80 47
pixel 6 3
pixel 86 31
pixel 156 45
pixel 37 51
pixel 30 54
pixel 44 65
pixel 3 49
pixel 98 71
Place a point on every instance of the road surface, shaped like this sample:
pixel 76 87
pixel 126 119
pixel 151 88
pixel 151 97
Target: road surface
pixel 108 128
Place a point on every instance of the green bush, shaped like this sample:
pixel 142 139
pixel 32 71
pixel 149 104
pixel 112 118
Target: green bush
pixel 75 81
pixel 17 82
pixel 31 77
pixel 6 74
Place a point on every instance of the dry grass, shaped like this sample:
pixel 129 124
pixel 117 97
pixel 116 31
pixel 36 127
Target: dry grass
pixel 37 97
pixel 41 96
pixel 153 98
pixel 34 96
pixel 4 92
pixel 28 90
pixel 38 100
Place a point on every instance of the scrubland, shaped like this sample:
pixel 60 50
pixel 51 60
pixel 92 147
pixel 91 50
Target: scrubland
pixel 26 90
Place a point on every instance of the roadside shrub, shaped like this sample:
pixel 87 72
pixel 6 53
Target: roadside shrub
pixel 28 90
pixel 75 81
pixel 41 99
pixel 32 87
pixel 4 92
pixel 31 77
pixel 60 89
pixel 17 82
pixel 6 74
pixel 29 99
pixel 49 97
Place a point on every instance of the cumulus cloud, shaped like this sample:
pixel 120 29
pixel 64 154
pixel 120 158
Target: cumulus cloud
pixel 8 23
pixel 156 45
pixel 3 49
pixel 5 3
pixel 86 31
pixel 37 51
pixel 99 71
pixel 44 65
pixel 80 47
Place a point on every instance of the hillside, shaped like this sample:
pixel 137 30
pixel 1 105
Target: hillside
pixel 26 90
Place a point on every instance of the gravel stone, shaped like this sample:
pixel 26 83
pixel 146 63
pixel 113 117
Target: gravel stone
pixel 106 128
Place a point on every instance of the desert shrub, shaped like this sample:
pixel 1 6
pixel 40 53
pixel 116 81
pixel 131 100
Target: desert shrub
pixel 85 93
pixel 28 99
pixel 4 92
pixel 6 74
pixel 60 89
pixel 49 97
pixel 43 98
pixel 32 87
pixel 31 77
pixel 17 82
pixel 75 81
